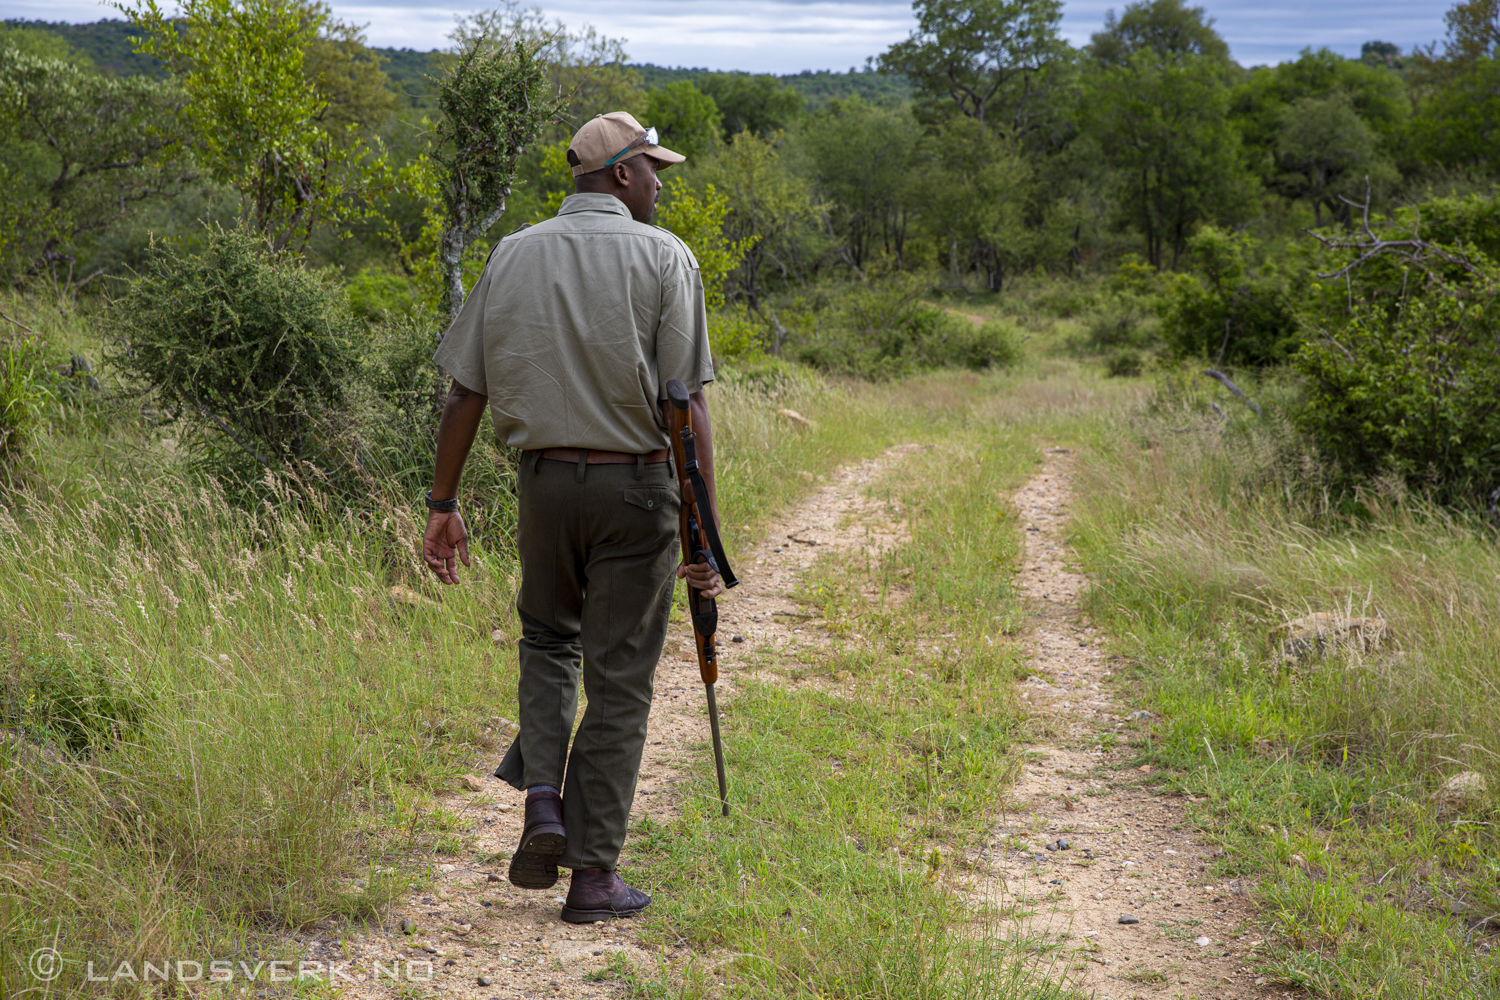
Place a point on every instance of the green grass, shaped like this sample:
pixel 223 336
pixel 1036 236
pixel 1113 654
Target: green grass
pixel 220 725
pixel 864 778
pixel 1317 778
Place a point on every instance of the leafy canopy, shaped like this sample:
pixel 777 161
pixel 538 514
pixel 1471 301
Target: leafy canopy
pixel 255 115
pixel 1166 27
pixel 988 59
pixel 77 151
pixel 688 120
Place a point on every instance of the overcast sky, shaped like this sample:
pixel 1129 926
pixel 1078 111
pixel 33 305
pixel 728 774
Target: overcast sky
pixel 784 36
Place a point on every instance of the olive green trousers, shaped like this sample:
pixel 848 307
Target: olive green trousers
pixel 598 550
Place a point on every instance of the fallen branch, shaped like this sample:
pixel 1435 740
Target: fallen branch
pixel 1226 383
pixel 28 330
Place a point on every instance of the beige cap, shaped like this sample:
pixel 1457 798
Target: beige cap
pixel 614 137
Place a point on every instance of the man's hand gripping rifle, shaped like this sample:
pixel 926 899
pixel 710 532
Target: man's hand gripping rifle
pixel 700 544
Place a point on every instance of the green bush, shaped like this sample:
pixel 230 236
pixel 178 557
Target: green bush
pixel 23 392
pixel 1235 307
pixel 883 330
pixel 253 352
pixel 71 701
pixel 1402 371
pixel 1124 364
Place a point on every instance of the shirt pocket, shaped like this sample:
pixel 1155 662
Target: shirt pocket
pixel 651 498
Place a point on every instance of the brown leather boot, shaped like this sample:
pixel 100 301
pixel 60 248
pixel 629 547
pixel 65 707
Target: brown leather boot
pixel 596 894
pixel 543 840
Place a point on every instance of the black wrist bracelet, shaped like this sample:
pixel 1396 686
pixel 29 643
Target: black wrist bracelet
pixel 441 506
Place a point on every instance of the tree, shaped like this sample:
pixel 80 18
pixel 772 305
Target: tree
pixel 1259 104
pixel 495 102
pixel 1457 123
pixel 697 218
pixel 78 151
pixel 255 114
pixel 973 196
pixel 1163 128
pixel 767 204
pixel 865 160
pixel 1165 27
pixel 585 69
pixel 687 119
pixel 991 60
pixel 758 104
pixel 355 91
pixel 1325 152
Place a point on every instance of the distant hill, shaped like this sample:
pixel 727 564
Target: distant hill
pixel 107 43
pixel 817 86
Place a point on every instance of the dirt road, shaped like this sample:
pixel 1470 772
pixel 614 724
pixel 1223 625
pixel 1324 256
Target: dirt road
pixel 1129 901
pixel 1128 853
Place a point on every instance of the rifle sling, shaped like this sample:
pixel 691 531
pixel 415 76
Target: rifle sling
pixel 708 523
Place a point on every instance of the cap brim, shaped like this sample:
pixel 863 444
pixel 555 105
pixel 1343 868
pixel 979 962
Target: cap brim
pixel 663 155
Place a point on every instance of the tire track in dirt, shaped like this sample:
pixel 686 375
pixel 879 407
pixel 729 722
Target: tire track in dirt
pixel 472 923
pixel 1130 852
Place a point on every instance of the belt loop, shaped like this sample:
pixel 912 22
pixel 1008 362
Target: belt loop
pixel 583 465
pixel 640 467
pixel 536 467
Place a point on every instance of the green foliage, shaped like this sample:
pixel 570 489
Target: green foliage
pixel 768 205
pixel 254 113
pixel 1235 307
pixel 1125 363
pixel 1166 27
pixel 882 330
pixel 23 393
pixel 356 93
pixel 697 218
pixel 687 119
pixel 252 352
pixel 1163 125
pixel 1403 378
pixel 976 193
pixel 78 150
pixel 1458 122
pixel 495 103
pixel 734 336
pixel 72 701
pixel 757 104
pixel 991 60
pixel 866 160
pixel 1328 156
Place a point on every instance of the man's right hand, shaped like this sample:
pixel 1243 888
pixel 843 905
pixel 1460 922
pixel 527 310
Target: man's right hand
pixel 444 538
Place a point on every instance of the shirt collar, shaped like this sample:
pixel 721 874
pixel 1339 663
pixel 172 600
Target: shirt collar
pixel 593 201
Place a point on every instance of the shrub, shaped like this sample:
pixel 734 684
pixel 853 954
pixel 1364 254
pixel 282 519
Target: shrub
pixel 23 392
pixel 957 343
pixel 251 350
pixel 882 330
pixel 1402 373
pixel 1233 309
pixel 734 335
pixel 1124 364
pixel 1120 320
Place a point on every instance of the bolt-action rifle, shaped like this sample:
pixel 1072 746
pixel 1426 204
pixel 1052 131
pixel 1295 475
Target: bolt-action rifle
pixel 700 544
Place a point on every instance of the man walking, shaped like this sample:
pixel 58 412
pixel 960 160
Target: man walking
pixel 570 337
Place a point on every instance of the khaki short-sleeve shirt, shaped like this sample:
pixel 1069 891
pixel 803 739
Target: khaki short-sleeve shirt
pixel 576 326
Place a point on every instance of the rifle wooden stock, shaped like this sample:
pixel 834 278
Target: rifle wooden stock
pixel 700 544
